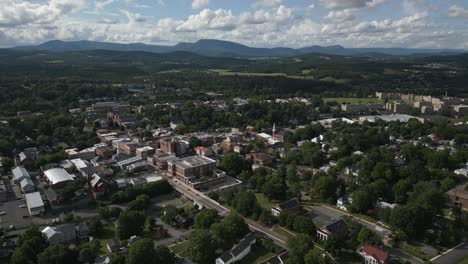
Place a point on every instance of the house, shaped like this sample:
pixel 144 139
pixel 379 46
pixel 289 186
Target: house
pixel 52 197
pixel 133 239
pixel 19 174
pixel 458 196
pixel 34 203
pixel 102 260
pixel 113 245
pixel 122 183
pixel 138 181
pixel 260 158
pixel 344 202
pixel 98 186
pixel 61 234
pixel 27 185
pixel 337 228
pixel 292 205
pixel 57 177
pixel 27 158
pixel 374 255
pixel 239 251
pixel 82 231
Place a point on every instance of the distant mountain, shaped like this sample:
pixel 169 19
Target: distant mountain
pixel 220 48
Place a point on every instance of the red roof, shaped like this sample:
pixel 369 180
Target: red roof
pixel 376 252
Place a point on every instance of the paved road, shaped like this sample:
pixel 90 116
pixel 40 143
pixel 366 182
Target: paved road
pixel 207 202
pixel 324 212
pixel 452 255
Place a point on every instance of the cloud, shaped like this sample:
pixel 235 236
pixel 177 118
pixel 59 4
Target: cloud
pixel 340 15
pixel 265 4
pixel 199 4
pixel 133 18
pixel 458 11
pixel 14 13
pixel 209 19
pixel 102 4
pixel 344 4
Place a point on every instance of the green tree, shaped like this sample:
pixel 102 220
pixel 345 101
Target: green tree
pixel 130 223
pixel 201 247
pixel 362 200
pixel 164 255
pixel 366 236
pixel 205 218
pixel 304 225
pixel 299 246
pixel 314 256
pixel 233 164
pixel 325 187
pixel 142 252
pixel 57 254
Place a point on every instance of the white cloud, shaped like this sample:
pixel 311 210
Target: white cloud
pixel 15 13
pixel 344 4
pixel 265 4
pixel 102 4
pixel 209 19
pixel 458 11
pixel 199 4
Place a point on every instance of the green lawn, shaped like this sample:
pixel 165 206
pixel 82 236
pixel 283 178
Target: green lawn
pixel 331 79
pixel 180 248
pixel 107 233
pixel 260 74
pixel 464 260
pixel 258 255
pixel 416 251
pixel 352 100
pixel 263 201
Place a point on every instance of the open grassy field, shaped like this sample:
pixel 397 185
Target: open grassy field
pixel 351 100
pixel 463 261
pixel 180 249
pixel 263 201
pixel 107 233
pixel 331 79
pixel 415 251
pixel 258 255
pixel 260 74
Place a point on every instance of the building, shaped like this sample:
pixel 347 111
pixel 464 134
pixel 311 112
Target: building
pixel 279 259
pixel 239 251
pixel 19 174
pixel 204 151
pixel 353 108
pixel 27 185
pixel 27 158
pixel 57 177
pixel 191 167
pixel 374 255
pixel 98 186
pixel 138 181
pixel 113 245
pixel 291 205
pixel 338 228
pixel 145 152
pixel 61 234
pixel 115 107
pixel 260 158
pixel 35 203
pixel 124 164
pixel 458 196
pixel 174 146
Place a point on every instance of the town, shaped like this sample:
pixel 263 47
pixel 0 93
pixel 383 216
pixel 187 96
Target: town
pixel 330 180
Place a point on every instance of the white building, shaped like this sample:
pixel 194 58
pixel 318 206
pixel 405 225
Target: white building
pixel 57 176
pixel 239 251
pixel 35 203
pixel 27 185
pixel 19 174
pixel 61 234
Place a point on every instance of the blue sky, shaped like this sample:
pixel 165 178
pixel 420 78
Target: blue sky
pixel 262 23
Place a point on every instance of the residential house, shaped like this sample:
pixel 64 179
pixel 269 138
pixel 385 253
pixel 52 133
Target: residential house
pixel 57 177
pixel 27 185
pixel 19 174
pixel 337 228
pixel 34 203
pixel 138 181
pixel 113 245
pixel 279 259
pixel 239 251
pixel 82 231
pixel 458 196
pixel 292 205
pixel 102 260
pixel 61 234
pixel 98 185
pixel 27 158
pixel 374 255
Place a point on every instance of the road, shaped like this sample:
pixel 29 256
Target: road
pixel 200 198
pixel 452 255
pixel 328 212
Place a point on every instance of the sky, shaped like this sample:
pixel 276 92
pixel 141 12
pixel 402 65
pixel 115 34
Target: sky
pixel 259 23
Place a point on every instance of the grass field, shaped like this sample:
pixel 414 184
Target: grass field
pixel 352 100
pixel 331 79
pixel 180 249
pixel 260 74
pixel 107 233
pixel 263 201
pixel 463 261
pixel 416 251
pixel 258 255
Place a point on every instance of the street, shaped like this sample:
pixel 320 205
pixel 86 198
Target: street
pixel 452 255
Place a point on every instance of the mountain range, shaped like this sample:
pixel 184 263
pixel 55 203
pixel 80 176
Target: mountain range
pixel 220 48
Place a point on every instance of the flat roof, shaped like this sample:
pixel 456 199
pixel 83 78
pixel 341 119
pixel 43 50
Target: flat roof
pixel 193 161
pixel 57 175
pixel 34 200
